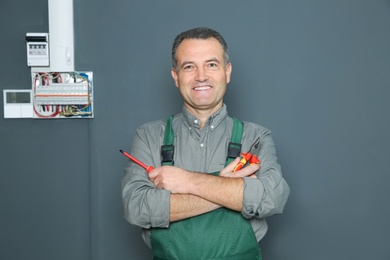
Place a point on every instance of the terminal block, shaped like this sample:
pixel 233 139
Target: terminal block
pixel 62 95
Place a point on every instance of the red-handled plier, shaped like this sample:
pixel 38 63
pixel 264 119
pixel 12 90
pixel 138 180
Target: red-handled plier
pixel 250 156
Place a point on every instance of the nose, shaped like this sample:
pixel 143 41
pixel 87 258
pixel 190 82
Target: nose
pixel 201 75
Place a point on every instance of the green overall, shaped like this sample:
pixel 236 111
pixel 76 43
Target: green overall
pixel 220 234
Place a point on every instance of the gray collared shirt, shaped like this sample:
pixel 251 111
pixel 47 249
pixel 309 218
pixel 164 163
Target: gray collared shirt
pixel 201 150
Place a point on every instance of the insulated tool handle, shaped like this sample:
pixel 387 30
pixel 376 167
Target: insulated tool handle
pixel 254 160
pixel 244 158
pixel 147 168
pixel 239 165
pixel 250 156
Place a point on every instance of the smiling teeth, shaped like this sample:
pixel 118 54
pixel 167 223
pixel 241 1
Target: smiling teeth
pixel 202 88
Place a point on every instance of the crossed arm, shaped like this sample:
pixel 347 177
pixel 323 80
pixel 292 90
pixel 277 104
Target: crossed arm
pixel 194 193
pixel 170 194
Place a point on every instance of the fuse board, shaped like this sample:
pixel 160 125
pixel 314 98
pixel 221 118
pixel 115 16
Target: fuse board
pixel 62 94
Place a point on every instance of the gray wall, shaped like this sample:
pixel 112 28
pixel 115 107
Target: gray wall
pixel 315 72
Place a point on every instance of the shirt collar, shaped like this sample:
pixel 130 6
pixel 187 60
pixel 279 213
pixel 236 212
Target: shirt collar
pixel 213 121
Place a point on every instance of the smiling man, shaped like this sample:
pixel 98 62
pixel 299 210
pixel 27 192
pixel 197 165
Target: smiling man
pixel 194 205
pixel 201 74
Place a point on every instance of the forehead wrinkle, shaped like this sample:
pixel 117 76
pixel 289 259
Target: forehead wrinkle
pixel 193 51
pixel 213 59
pixel 206 61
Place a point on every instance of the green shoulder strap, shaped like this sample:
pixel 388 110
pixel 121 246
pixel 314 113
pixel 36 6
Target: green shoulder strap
pixel 234 147
pixel 167 149
pixel 168 134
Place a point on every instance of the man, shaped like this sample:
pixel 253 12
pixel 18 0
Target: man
pixel 198 206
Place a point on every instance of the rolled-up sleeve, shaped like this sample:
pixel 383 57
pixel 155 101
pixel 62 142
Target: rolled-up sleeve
pixel 144 205
pixel 267 194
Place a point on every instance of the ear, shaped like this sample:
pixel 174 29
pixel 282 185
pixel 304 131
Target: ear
pixel 175 77
pixel 228 72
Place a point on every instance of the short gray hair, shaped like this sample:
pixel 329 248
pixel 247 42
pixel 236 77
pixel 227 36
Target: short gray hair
pixel 199 33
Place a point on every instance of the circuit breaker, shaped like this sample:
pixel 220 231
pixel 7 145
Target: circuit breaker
pixel 37 49
pixel 62 94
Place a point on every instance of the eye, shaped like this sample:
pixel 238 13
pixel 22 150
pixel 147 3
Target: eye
pixel 212 65
pixel 188 67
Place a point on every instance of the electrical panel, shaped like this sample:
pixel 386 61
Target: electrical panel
pixel 62 94
pixel 57 90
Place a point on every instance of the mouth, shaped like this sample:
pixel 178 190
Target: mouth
pixel 200 88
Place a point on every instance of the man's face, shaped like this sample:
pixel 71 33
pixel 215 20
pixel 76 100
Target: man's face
pixel 201 74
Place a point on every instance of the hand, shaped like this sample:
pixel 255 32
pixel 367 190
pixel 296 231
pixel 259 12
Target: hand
pixel 248 171
pixel 170 178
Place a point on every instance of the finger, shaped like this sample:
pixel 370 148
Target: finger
pixel 153 174
pixel 229 168
pixel 156 182
pixel 247 171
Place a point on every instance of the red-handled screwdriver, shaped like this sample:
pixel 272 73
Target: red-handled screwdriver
pixel 147 168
